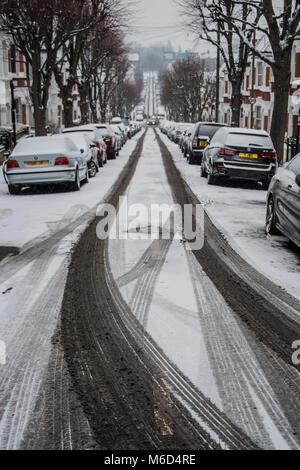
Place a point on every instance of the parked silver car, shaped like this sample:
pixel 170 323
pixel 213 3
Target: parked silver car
pixel 45 160
pixel 89 150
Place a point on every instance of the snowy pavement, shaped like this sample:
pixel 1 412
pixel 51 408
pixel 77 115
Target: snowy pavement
pixel 240 213
pixel 24 218
pixel 44 227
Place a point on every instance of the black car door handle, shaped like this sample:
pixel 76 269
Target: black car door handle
pixel 290 186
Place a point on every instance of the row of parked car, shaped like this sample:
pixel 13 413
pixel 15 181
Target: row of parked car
pixel 71 157
pixel 232 153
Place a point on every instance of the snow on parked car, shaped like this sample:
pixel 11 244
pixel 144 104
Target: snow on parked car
pixel 45 160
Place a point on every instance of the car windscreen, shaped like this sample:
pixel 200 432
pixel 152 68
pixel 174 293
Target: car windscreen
pixel 248 140
pixel 207 130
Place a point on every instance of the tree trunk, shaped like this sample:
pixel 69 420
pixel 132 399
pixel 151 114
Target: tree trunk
pixel 38 94
pixel 236 102
pixel 84 102
pixel 67 101
pixel 39 115
pixel 280 109
pixel 103 113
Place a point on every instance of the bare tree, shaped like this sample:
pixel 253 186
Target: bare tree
pixel 111 72
pixel 186 90
pixel 211 20
pixel 39 29
pixel 280 27
pixel 126 96
pixel 98 19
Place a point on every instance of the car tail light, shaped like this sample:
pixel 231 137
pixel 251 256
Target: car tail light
pixel 108 141
pixel 269 155
pixel 225 151
pixel 12 164
pixel 195 141
pixel 62 161
pixel 220 165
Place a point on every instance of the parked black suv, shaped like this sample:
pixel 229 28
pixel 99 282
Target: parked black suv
pixel 238 153
pixel 283 202
pixel 200 138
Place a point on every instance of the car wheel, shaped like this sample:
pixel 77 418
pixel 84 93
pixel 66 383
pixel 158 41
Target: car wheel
pixel 92 169
pixel 14 190
pixel 86 179
pixel 190 160
pixel 271 218
pixel 75 186
pixel 211 179
pixel 203 173
pixel 265 185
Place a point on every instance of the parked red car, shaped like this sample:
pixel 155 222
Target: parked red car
pixel 110 139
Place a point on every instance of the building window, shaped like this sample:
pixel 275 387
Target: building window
pixel 268 76
pixel 259 74
pixel 247 82
pixel 258 118
pixel 297 65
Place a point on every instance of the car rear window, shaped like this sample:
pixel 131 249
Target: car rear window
pixel 41 145
pixel 79 140
pixel 248 140
pixel 207 130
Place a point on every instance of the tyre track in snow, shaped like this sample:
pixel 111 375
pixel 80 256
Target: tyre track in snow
pixel 214 421
pixel 21 378
pixel 237 370
pixel 142 296
pixel 58 421
pixel 271 313
pixel 115 365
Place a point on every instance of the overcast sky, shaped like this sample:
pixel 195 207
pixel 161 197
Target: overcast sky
pixel 159 21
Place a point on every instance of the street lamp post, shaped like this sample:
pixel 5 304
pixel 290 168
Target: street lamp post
pixel 218 74
pixel 13 112
pixel 252 100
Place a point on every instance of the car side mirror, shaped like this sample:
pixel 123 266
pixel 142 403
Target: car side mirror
pixel 92 146
pixel 298 179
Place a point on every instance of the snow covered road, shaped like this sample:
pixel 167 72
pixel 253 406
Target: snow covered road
pixel 137 342
pixel 239 213
pixel 44 227
pixel 179 306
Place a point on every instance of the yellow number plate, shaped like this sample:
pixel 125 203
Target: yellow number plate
pixel 202 143
pixel 248 155
pixel 37 163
